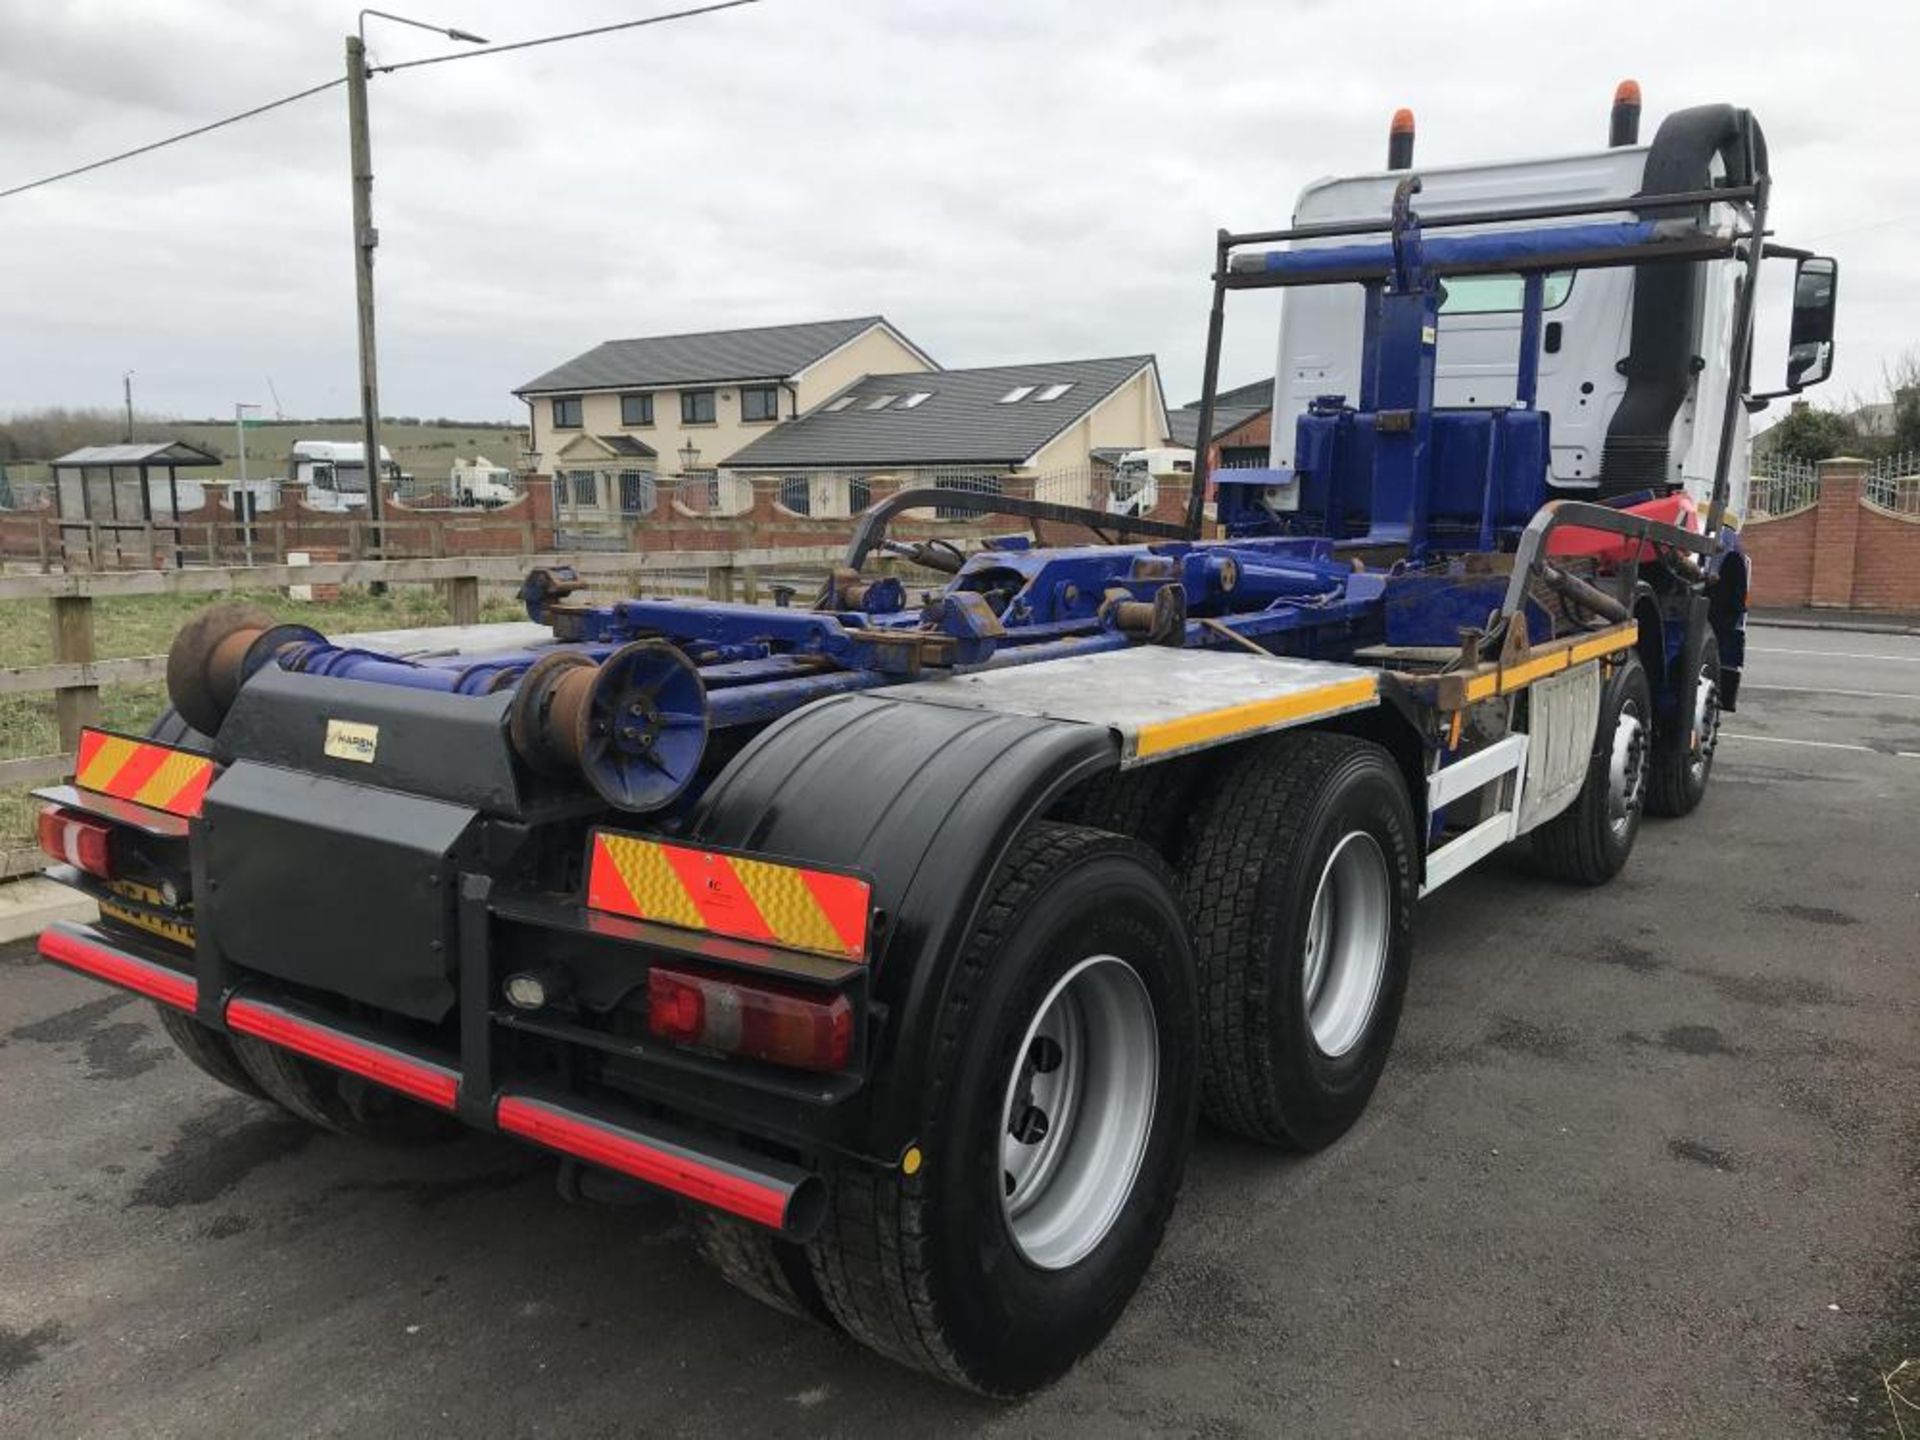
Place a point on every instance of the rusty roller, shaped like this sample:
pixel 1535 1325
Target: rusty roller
pixel 206 664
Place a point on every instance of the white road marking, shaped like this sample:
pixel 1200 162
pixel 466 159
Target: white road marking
pixel 1832 654
pixel 1824 690
pixel 1817 744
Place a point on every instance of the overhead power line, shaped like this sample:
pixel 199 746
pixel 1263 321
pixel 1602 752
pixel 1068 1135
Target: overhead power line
pixel 211 126
pixel 475 54
pixel 174 139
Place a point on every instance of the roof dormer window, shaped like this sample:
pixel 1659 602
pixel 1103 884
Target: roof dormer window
pixel 1016 395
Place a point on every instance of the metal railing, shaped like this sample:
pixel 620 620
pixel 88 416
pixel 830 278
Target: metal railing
pixel 1893 484
pixel 712 493
pixel 1780 487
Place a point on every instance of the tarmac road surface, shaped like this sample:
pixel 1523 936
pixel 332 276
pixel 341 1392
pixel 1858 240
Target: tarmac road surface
pixel 1647 1161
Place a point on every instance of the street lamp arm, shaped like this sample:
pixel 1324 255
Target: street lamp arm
pixel 446 30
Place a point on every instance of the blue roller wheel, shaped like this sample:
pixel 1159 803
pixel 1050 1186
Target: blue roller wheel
pixel 643 728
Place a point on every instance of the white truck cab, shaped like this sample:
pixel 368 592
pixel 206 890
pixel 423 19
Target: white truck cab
pixel 1588 342
pixel 335 472
pixel 1135 487
pixel 481 482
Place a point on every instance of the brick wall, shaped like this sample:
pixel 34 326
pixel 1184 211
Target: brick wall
pixel 210 535
pixel 1839 553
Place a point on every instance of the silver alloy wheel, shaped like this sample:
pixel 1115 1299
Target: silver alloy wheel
pixel 1626 770
pixel 1706 724
pixel 1346 943
pixel 1078 1111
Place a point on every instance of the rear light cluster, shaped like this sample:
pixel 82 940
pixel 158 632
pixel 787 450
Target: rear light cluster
pixel 76 840
pixel 750 1020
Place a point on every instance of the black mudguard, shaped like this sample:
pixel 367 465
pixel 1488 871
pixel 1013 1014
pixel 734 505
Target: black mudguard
pixel 922 798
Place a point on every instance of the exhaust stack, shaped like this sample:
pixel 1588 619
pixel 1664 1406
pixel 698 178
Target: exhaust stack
pixel 1623 128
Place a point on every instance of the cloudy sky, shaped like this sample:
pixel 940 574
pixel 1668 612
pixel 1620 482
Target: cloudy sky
pixel 1007 180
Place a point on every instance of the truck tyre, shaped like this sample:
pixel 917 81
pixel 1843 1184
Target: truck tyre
pixel 1147 804
pixel 1299 893
pixel 1053 1132
pixel 312 1092
pixel 334 1100
pixel 1588 843
pixel 1683 751
pixel 208 1050
pixel 757 1262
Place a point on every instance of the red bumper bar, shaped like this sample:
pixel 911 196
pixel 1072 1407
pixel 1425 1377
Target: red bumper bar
pixel 78 947
pixel 781 1197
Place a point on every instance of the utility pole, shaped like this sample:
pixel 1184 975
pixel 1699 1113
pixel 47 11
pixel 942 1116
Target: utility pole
pixel 240 408
pixel 126 383
pixel 243 505
pixel 365 237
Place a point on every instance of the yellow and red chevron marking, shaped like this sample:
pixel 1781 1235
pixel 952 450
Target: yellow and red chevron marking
pixel 139 770
pixel 811 910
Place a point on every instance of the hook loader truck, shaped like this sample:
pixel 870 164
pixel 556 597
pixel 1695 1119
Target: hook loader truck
pixel 905 937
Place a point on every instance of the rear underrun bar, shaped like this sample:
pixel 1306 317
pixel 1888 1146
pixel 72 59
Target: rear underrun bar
pixel 786 1198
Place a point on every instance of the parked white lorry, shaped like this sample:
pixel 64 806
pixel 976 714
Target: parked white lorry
pixel 481 482
pixel 335 472
pixel 1135 488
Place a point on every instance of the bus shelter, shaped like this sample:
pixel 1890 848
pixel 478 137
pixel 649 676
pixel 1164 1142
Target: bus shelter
pixel 114 502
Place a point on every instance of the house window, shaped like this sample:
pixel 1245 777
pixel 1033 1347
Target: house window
pixel 760 402
pixel 977 484
pixel 637 494
pixel 566 412
pixel 696 407
pixel 917 398
pixel 636 409
pixel 1053 392
pixel 796 494
pixel 1017 394
pixel 584 486
pixel 836 406
pixel 859 495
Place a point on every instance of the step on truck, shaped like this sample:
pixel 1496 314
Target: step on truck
pixel 904 937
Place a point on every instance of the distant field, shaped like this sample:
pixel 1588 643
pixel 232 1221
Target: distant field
pixel 424 451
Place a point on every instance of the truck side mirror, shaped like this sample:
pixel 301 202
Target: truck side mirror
pixel 1816 281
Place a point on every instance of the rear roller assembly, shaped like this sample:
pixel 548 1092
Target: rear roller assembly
pixel 633 727
pixel 206 662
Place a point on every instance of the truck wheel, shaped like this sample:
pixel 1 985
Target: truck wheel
pixel 209 1051
pixel 757 1262
pixel 1147 804
pixel 1299 893
pixel 1053 1133
pixel 1588 843
pixel 334 1100
pixel 1683 755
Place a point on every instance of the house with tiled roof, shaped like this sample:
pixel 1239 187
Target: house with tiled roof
pixel 1242 426
pixel 959 430
pixel 609 423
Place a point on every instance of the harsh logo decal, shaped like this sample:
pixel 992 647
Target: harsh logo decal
pixel 352 740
